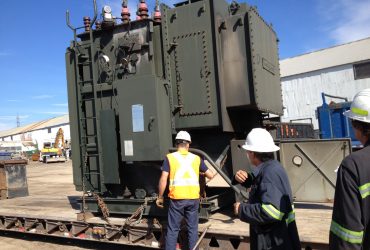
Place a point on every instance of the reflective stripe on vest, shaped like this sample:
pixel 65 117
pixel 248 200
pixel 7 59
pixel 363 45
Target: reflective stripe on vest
pixel 184 176
pixel 272 211
pixel 365 190
pixel 291 216
pixel 346 234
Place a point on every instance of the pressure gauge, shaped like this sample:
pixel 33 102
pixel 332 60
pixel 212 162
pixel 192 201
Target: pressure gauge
pixel 297 160
pixel 107 15
pixel 107 9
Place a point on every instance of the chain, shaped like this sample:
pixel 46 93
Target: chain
pixel 134 219
pixel 84 189
pixel 137 216
pixel 103 207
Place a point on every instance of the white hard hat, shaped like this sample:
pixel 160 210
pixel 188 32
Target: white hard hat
pixel 360 107
pixel 259 140
pixel 183 135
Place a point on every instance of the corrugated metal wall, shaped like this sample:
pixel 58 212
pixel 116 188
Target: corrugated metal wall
pixel 302 93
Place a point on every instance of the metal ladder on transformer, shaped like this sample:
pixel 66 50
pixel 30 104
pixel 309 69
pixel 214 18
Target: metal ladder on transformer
pixel 89 142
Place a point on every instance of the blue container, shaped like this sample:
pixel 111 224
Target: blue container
pixel 332 122
pixel 5 156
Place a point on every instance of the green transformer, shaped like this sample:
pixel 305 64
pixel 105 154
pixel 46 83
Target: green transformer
pixel 206 66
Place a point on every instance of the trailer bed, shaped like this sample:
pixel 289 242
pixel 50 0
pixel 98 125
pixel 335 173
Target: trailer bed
pixel 53 200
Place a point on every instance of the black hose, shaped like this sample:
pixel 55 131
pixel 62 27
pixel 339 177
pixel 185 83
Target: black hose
pixel 214 165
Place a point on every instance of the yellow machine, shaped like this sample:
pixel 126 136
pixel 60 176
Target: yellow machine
pixel 53 152
pixel 59 139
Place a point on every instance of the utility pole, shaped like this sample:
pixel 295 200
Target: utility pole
pixel 18 121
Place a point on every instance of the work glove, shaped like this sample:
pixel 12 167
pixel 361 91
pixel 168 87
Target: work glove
pixel 159 202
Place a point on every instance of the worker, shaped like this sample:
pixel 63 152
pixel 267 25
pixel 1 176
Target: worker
pixel 350 226
pixel 183 169
pixel 269 210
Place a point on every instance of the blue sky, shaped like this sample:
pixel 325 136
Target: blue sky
pixel 34 37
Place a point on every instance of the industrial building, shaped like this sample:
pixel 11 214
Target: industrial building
pixel 36 133
pixel 342 71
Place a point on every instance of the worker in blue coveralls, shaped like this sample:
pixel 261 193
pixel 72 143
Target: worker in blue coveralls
pixel 350 225
pixel 183 169
pixel 269 210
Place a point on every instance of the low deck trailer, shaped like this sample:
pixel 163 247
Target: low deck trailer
pixel 52 209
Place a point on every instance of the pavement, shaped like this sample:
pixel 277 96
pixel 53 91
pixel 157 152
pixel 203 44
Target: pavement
pixel 54 179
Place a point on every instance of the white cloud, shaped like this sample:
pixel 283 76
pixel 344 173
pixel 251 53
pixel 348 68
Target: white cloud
pixel 60 104
pixel 54 112
pixel 6 126
pixel 13 100
pixel 346 20
pixel 4 53
pixel 7 117
pixel 42 96
pixel 13 117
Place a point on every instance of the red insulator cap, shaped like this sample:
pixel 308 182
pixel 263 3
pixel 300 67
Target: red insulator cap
pixel 125 11
pixel 87 22
pixel 98 25
pixel 143 6
pixel 157 15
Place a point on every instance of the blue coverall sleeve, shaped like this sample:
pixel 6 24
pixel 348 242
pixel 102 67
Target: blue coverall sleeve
pixel 346 229
pixel 166 165
pixel 203 168
pixel 268 211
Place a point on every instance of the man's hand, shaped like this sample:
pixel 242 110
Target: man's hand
pixel 161 187
pixel 236 208
pixel 159 202
pixel 241 176
pixel 209 174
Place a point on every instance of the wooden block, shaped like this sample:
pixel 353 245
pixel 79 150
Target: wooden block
pixel 3 194
pixel 84 216
pixel 2 179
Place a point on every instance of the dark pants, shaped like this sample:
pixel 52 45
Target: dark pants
pixel 178 210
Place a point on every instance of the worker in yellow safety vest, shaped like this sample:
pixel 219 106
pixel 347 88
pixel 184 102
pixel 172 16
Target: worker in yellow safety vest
pixel 183 169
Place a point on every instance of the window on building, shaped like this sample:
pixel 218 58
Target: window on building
pixel 49 130
pixel 361 70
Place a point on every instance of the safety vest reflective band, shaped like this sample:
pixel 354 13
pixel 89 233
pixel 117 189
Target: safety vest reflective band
pixel 272 211
pixel 365 190
pixel 184 182
pixel 291 216
pixel 358 111
pixel 346 234
pixel 184 175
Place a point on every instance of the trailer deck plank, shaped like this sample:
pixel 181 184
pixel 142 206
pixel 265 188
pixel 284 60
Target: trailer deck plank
pixel 52 196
